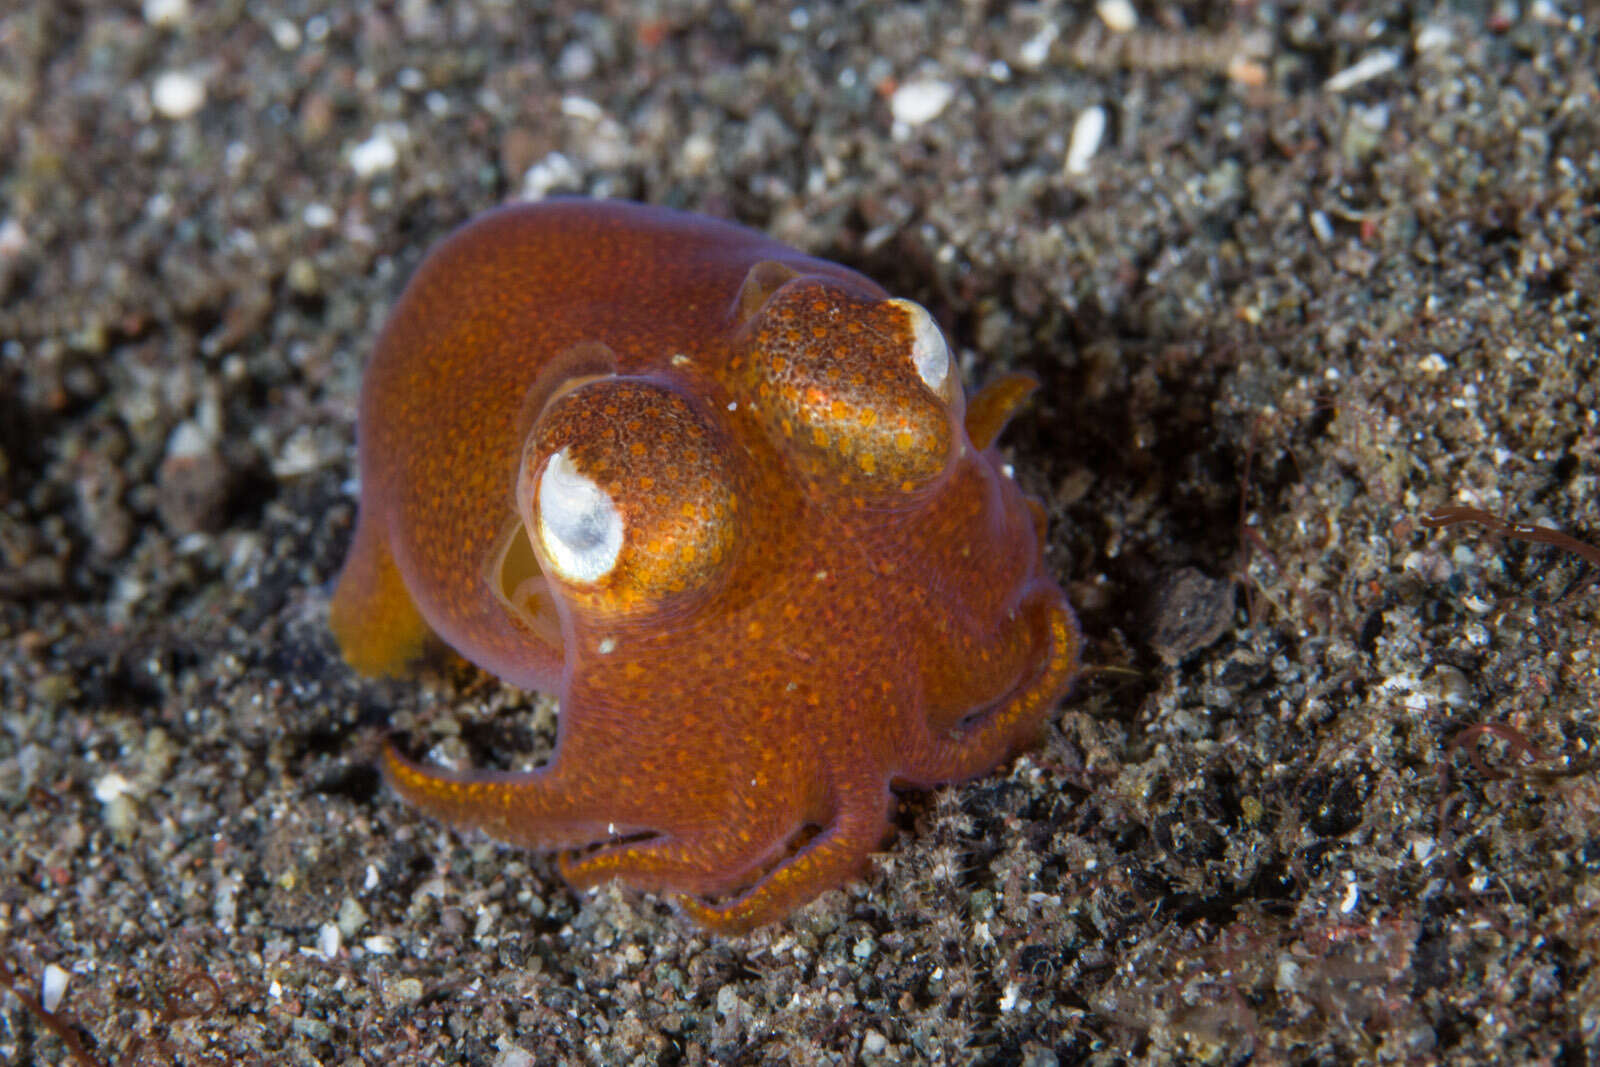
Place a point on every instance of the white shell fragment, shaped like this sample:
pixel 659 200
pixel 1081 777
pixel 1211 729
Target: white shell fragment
pixel 53 986
pixel 177 94
pixel 111 786
pixel 376 154
pixel 579 524
pixel 1036 49
pixel 920 100
pixel 929 352
pixel 166 13
pixel 1118 15
pixel 1087 133
pixel 329 941
pixel 1372 65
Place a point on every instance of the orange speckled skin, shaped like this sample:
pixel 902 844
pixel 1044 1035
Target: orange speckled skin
pixel 828 584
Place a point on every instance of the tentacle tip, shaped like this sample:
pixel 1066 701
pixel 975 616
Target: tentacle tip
pixel 418 784
pixel 582 876
pixel 723 920
pixel 392 762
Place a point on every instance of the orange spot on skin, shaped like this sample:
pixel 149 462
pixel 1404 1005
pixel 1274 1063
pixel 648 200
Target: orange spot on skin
pixel 823 587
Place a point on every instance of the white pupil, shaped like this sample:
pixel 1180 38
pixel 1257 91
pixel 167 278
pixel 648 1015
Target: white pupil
pixel 579 525
pixel 929 353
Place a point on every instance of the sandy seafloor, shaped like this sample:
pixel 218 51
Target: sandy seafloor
pixel 1330 793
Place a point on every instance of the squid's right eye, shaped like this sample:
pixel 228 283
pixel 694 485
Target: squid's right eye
pixel 627 494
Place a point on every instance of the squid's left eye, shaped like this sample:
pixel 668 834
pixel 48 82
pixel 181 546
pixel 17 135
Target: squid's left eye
pixel 856 390
pixel 928 352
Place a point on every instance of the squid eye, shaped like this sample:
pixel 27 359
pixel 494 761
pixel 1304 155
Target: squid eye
pixel 930 354
pixel 580 527
pixel 855 389
pixel 626 494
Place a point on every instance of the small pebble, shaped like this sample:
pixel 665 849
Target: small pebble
pixel 301 454
pixel 109 787
pixel 99 487
pixel 318 216
pixel 225 906
pixel 920 100
pixel 581 107
pixel 177 94
pixel 375 155
pixel 285 34
pixel 555 171
pixel 121 817
pixel 13 239
pixel 1321 227
pixel 697 154
pixel 329 941
pixel 1372 65
pixel 401 993
pixel 1118 15
pixel 1010 998
pixel 379 945
pixel 166 13
pixel 1434 37
pixel 576 62
pixel 192 483
pixel 1036 49
pixel 302 277
pixel 1190 611
pixel 1087 133
pixel 53 986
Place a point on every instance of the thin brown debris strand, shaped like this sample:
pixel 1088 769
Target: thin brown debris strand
pixel 12 982
pixel 1513 737
pixel 1456 514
